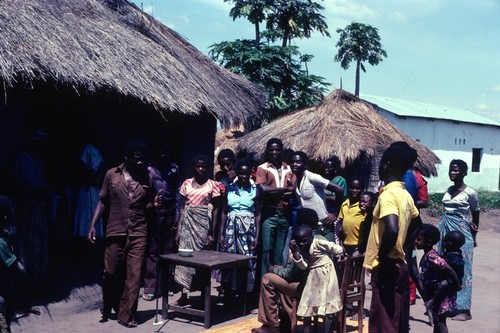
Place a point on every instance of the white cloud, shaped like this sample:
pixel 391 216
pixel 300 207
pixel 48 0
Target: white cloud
pixel 351 9
pixel 398 17
pixel 184 19
pixel 496 88
pixel 218 4
pixel 482 107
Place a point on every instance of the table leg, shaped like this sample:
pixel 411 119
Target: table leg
pixel 208 298
pixel 243 274
pixel 164 291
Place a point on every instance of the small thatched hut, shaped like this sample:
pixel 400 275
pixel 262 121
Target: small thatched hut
pixel 70 62
pixel 341 125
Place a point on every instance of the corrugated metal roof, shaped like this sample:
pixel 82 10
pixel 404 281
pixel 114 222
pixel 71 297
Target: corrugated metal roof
pixel 405 108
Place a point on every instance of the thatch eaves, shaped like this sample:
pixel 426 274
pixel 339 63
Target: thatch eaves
pixel 112 45
pixel 341 125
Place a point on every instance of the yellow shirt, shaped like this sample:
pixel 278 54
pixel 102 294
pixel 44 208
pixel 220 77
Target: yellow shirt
pixel 351 217
pixel 393 199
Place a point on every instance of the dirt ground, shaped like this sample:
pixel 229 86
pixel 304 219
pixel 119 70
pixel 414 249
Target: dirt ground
pixel 70 300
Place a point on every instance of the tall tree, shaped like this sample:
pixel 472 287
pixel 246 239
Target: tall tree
pixel 253 10
pixel 359 42
pixel 296 18
pixel 279 69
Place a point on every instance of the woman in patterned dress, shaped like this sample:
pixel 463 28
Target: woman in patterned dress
pixel 200 202
pixel 240 224
pixel 461 201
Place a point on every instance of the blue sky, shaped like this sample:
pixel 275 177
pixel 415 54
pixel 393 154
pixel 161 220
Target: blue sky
pixel 439 51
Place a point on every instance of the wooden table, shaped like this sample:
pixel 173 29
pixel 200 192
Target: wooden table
pixel 205 262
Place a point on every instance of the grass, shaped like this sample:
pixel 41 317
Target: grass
pixel 487 200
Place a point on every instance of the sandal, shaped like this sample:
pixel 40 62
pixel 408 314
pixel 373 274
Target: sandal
pixel 148 297
pixel 132 324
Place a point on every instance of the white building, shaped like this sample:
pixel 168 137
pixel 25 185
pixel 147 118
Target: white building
pixel 451 133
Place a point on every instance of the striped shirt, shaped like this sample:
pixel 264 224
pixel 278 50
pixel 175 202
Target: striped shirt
pixel 200 195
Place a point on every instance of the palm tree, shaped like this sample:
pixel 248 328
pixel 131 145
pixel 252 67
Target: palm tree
pixel 359 42
pixel 253 10
pixel 296 18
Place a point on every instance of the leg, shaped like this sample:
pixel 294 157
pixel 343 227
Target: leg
pixel 150 262
pixel 273 285
pixel 307 324
pixel 328 323
pixel 440 324
pixel 390 306
pixel 135 252
pixel 267 241
pixel 283 219
pixel 112 282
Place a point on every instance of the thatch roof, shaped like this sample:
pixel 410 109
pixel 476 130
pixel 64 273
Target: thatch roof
pixel 112 45
pixel 341 125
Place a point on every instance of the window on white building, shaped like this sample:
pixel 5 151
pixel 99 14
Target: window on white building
pixel 477 154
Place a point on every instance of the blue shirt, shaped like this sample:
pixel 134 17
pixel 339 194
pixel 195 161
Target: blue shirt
pixel 411 184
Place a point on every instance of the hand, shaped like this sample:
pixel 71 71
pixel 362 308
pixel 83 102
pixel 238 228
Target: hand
pixel 253 245
pixel 329 220
pixel 222 244
pixel 209 240
pixel 272 267
pixel 91 235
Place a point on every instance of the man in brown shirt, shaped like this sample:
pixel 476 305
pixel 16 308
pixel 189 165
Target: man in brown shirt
pixel 127 192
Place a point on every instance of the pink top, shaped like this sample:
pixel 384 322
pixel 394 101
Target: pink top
pixel 199 195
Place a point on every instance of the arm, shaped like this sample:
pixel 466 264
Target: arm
pixel 389 237
pixel 364 231
pixel 223 220
pixel 182 203
pixel 475 225
pixel 258 219
pixel 409 247
pixel 297 257
pixel 98 211
pixel 213 228
pixel 337 200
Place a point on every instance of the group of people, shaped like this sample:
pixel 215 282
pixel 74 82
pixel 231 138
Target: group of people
pixel 296 223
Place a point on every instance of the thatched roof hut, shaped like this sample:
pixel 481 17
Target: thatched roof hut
pixel 112 45
pixel 341 125
pixel 102 59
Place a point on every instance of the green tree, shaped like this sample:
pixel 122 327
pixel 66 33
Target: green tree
pixel 359 42
pixel 281 70
pixel 253 10
pixel 296 18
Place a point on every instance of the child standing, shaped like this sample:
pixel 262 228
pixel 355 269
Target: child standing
pixel 452 243
pixel 367 202
pixel 435 274
pixel 321 295
pixel 351 217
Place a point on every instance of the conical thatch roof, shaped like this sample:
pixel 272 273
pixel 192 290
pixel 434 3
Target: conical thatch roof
pixel 112 45
pixel 341 125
